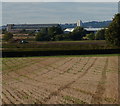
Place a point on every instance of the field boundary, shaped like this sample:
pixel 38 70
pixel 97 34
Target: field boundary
pixel 59 53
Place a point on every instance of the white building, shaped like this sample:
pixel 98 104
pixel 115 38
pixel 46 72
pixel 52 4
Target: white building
pixel 79 23
pixel 68 30
pixel 87 29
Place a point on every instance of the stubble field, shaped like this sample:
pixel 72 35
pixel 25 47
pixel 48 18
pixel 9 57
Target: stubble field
pixel 60 80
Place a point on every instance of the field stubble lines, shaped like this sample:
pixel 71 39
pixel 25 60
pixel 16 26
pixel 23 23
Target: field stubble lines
pixel 14 62
pixel 50 80
pixel 29 61
pixel 9 76
pixel 46 69
pixel 93 73
pixel 29 75
pixel 56 72
pixel 10 97
pixel 85 87
pixel 32 83
pixel 41 66
pixel 5 99
pixel 80 76
pixel 20 66
pixel 22 71
pixel 67 76
pixel 51 69
pixel 56 93
pixel 13 96
pixel 69 66
pixel 22 96
pixel 32 70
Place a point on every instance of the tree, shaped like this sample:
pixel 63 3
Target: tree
pixel 23 31
pixel 113 32
pixel 41 37
pixel 62 37
pixel 7 36
pixel 59 37
pixel 31 33
pixel 100 35
pixel 90 36
pixel 78 33
pixel 4 31
pixel 44 30
pixel 53 31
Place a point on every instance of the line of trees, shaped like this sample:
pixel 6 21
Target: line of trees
pixel 56 34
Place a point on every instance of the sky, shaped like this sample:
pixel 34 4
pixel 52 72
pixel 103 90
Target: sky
pixel 56 12
pixel 59 0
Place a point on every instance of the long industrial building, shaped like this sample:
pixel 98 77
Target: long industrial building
pixel 15 28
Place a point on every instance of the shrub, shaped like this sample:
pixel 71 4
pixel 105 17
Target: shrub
pixel 90 36
pixel 7 36
pixel 100 35
pixel 113 32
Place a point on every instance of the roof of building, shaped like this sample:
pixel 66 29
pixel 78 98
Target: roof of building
pixel 93 29
pixel 31 26
pixel 88 29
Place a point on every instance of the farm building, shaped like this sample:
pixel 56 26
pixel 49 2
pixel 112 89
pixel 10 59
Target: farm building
pixel 89 30
pixel 15 28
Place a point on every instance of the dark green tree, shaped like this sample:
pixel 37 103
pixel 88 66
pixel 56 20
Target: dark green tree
pixel 44 30
pixel 59 37
pixel 41 37
pixel 31 33
pixel 78 33
pixel 62 37
pixel 90 36
pixel 4 31
pixel 7 36
pixel 23 31
pixel 113 31
pixel 100 35
pixel 53 31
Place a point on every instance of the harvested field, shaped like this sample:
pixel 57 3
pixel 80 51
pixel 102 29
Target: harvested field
pixel 60 80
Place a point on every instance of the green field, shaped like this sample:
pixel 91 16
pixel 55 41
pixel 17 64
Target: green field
pixel 56 45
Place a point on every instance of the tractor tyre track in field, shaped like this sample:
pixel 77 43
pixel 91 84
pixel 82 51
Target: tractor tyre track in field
pixel 97 97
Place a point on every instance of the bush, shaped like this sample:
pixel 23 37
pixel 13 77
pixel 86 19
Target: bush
pixel 90 36
pixel 113 32
pixel 100 35
pixel 41 37
pixel 49 34
pixel 7 36
pixel 62 37
pixel 78 33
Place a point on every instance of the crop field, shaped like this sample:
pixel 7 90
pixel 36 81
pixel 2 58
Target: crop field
pixel 60 80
